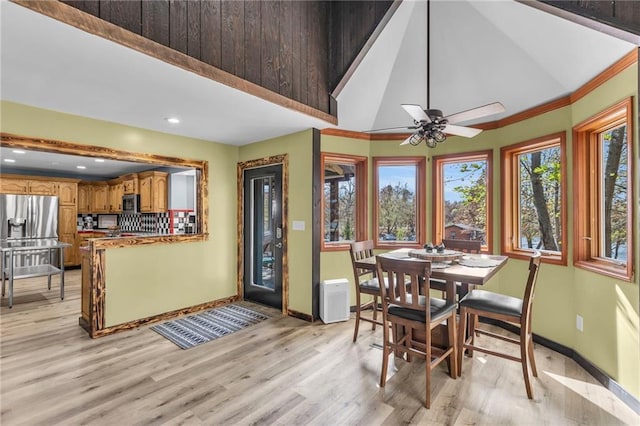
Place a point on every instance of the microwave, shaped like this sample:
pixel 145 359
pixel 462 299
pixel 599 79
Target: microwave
pixel 131 203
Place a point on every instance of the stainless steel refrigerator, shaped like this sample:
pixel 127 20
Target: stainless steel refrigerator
pixel 29 217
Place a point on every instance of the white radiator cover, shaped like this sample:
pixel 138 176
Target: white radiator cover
pixel 334 300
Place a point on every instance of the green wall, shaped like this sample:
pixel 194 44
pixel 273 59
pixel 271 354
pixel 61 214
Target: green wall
pixel 609 307
pixel 299 147
pixel 150 280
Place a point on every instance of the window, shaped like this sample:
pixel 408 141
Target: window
pixel 399 200
pixel 534 194
pixel 603 191
pixel 344 216
pixel 462 197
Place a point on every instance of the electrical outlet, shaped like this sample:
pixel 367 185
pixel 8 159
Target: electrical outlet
pixel 579 322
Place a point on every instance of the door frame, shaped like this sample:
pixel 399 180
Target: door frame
pixel 282 159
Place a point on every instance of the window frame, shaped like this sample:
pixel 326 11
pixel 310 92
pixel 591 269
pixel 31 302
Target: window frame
pixel 420 164
pixel 438 191
pixel 510 196
pixel 361 166
pixel 586 154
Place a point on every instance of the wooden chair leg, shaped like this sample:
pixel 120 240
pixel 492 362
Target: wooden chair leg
pixel 462 332
pixel 532 358
pixel 374 306
pixel 357 325
pixel 427 367
pixel 524 360
pixel 453 358
pixel 471 332
pixel 385 355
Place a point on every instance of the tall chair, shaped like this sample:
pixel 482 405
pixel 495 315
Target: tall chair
pixel 413 314
pixel 465 246
pixel 485 304
pixel 365 283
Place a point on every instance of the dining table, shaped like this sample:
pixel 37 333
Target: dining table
pixel 450 267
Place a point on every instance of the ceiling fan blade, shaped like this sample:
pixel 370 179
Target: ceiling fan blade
pixel 474 113
pixel 467 132
pixel 392 128
pixel 406 141
pixel 416 112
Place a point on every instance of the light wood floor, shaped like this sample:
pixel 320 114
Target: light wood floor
pixel 282 371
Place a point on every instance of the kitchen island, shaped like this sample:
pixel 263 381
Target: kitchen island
pixel 29 247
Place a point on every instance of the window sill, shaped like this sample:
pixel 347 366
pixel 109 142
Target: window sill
pixel 605 268
pixel 547 257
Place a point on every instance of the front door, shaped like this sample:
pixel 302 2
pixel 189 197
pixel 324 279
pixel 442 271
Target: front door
pixel 263 237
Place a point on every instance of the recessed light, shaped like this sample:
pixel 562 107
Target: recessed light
pixel 81 167
pixel 173 120
pixel 18 151
pixel 99 160
pixel 9 160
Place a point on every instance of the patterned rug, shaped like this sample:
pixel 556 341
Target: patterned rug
pixel 209 325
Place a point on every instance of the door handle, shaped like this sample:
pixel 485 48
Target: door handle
pixel 279 245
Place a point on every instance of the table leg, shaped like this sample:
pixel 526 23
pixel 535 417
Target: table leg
pixel 61 273
pixel 2 270
pixel 49 277
pixel 10 279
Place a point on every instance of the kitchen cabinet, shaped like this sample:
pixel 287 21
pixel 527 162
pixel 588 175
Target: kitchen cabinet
pixel 20 185
pixel 130 184
pixel 67 220
pixel 100 199
pixel 85 198
pixel 153 192
pixel 116 191
pixel 67 193
pixel 67 231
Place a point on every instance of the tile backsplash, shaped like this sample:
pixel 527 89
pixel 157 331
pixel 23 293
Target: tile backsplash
pixel 141 222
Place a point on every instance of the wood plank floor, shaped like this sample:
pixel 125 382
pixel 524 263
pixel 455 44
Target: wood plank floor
pixel 282 371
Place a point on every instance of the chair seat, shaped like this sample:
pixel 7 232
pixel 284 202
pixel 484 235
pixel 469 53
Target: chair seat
pixel 370 286
pixel 439 308
pixel 492 302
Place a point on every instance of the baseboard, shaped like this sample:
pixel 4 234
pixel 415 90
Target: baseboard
pixel 591 368
pixel 300 315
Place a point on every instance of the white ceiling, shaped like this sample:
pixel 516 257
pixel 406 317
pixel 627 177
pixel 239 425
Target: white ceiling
pixel 481 52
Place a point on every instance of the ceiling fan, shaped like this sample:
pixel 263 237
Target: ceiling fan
pixel 431 125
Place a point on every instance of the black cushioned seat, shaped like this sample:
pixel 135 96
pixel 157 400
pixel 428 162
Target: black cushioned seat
pixel 439 309
pixel 493 302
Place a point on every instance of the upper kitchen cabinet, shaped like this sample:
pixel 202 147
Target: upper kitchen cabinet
pixel 85 197
pixel 153 192
pixel 116 191
pixel 130 184
pixel 67 193
pixel 20 185
pixel 100 197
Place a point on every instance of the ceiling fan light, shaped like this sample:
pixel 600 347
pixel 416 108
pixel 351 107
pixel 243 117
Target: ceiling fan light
pixel 439 136
pixel 415 139
pixel 431 143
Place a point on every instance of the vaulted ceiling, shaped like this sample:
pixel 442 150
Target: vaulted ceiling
pixel 480 52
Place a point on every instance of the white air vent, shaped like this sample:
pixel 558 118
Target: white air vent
pixel 334 300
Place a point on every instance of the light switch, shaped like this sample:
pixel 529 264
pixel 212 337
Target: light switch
pixel 298 225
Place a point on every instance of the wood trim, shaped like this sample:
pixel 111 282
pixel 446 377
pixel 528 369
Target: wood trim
pixel 63 147
pixel 628 60
pixel 316 225
pixel 362 167
pixel 300 315
pixel 619 66
pixel 93 25
pixel 252 164
pixel 438 193
pixel 45 178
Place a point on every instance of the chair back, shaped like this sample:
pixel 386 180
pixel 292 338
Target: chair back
pixel 406 280
pixel 467 246
pixel 529 291
pixel 360 250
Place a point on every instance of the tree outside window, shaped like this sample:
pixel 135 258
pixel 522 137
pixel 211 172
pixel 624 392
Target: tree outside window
pixel 462 196
pixel 399 200
pixel 344 200
pixel 534 206
pixel 603 228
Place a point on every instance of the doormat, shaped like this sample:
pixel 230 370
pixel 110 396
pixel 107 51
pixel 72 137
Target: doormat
pixel 206 326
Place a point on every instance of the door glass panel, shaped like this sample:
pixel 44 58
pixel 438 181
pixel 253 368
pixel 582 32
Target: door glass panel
pixel 263 230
